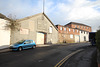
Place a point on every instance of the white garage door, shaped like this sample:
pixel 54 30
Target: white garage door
pixel 4 38
pixel 40 38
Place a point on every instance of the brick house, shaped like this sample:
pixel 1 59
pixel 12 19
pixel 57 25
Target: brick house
pixel 84 30
pixel 67 34
pixel 79 26
pixel 73 32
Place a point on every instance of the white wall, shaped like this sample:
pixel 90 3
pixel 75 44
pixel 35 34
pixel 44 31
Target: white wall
pixel 82 36
pixel 4 34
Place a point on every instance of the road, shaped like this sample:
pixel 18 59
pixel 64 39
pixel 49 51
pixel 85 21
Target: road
pixel 50 56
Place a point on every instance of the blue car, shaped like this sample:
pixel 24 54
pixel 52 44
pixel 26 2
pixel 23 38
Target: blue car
pixel 23 44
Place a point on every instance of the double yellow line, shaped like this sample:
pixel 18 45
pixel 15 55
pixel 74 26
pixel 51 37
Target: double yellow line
pixel 66 58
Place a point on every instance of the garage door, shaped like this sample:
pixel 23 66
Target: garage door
pixel 40 38
pixel 4 38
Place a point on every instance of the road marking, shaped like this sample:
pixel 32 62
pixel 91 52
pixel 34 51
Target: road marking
pixel 59 64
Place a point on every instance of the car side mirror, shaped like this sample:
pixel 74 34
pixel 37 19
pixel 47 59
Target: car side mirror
pixel 24 43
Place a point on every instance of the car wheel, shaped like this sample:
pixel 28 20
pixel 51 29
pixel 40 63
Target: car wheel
pixel 20 49
pixel 34 47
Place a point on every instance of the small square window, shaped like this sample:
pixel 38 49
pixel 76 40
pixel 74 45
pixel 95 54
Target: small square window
pixel 82 26
pixel 69 29
pixel 84 32
pixel 60 28
pixel 73 30
pixel 75 26
pixel 77 31
pixel 81 31
pixel 71 36
pixel 50 29
pixel 64 29
pixel 87 32
pixel 79 26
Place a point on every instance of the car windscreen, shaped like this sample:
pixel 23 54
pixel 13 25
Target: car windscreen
pixel 20 42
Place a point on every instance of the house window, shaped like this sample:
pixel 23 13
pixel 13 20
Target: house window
pixel 60 28
pixel 87 32
pixel 77 31
pixel 87 27
pixel 84 32
pixel 81 31
pixel 71 36
pixel 73 30
pixel 79 26
pixel 75 26
pixel 50 29
pixel 64 29
pixel 69 29
pixel 82 27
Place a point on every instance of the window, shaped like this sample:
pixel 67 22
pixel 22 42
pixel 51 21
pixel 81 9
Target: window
pixel 60 28
pixel 31 41
pixel 75 26
pixel 73 30
pixel 87 27
pixel 77 31
pixel 71 36
pixel 79 26
pixel 87 32
pixel 64 29
pixel 69 29
pixel 84 32
pixel 81 31
pixel 27 42
pixel 82 26
pixel 50 29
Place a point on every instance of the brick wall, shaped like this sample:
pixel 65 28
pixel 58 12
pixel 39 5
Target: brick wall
pixel 82 27
pixel 65 34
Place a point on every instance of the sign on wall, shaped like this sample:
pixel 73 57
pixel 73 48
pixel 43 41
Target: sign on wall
pixel 24 31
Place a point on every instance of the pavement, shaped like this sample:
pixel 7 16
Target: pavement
pixel 7 47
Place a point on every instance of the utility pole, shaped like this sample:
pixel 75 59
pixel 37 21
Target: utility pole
pixel 43 5
pixel 43 9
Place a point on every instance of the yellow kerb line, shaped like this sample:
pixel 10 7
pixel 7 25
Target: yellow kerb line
pixel 66 58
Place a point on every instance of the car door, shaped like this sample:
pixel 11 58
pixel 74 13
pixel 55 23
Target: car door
pixel 26 44
pixel 30 43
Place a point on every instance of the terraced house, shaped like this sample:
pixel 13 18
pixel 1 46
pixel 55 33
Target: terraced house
pixel 73 32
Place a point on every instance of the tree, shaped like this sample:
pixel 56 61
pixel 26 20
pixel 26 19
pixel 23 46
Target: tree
pixel 12 23
pixel 98 38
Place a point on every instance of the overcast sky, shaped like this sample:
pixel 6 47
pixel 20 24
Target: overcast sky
pixel 59 11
